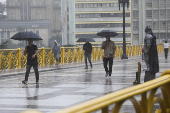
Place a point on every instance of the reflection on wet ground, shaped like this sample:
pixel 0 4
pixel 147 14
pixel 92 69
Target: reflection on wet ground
pixel 65 87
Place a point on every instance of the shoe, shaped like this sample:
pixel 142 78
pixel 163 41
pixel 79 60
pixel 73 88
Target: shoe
pixel 91 65
pixel 106 75
pixel 109 77
pixel 24 82
pixel 86 68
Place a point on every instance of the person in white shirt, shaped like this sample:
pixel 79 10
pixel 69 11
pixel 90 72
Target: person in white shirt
pixel 166 49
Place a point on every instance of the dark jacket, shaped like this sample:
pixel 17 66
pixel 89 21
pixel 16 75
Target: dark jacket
pixel 87 47
pixel 153 57
pixel 31 51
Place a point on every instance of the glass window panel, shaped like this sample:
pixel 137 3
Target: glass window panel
pixel 148 14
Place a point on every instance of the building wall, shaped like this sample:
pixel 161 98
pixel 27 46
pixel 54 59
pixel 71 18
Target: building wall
pixel 9 28
pixel 94 16
pixel 154 13
pixel 38 9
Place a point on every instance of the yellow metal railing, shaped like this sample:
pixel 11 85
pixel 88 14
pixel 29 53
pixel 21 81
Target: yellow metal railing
pixel 145 105
pixel 14 58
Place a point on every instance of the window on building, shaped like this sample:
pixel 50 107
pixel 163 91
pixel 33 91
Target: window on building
pixel 163 35
pixel 2 40
pixel 2 34
pixel 95 5
pixel 84 5
pixel 8 34
pixel 40 3
pixel 135 2
pixel 162 14
pixel 37 2
pixel 135 14
pixel 162 3
pixel 36 15
pixel 80 5
pixel 155 14
pixel 135 25
pixel 168 13
pixel 148 1
pixel 10 3
pixel 111 4
pixel 162 25
pixel 116 4
pixel 21 9
pixel 148 14
pixel 99 5
pixel 25 9
pixel 40 16
pixel 10 16
pixel 14 17
pixel 13 3
pixel 156 4
pixel 156 25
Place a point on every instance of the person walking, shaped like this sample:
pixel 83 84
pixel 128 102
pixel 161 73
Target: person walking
pixel 109 50
pixel 166 49
pixel 87 47
pixel 32 51
pixel 56 50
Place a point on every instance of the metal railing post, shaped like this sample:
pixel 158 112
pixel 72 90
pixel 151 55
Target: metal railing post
pixel 62 55
pixel 19 57
pixel 43 56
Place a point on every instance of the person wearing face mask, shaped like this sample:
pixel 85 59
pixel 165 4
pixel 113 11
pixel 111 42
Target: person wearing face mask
pixel 109 50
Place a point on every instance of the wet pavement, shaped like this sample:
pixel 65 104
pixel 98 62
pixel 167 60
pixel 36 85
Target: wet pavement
pixel 69 84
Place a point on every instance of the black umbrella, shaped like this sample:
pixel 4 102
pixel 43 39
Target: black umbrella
pixel 85 39
pixel 26 35
pixel 104 33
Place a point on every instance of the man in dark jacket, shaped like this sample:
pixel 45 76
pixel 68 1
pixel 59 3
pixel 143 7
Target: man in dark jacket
pixel 32 51
pixel 88 49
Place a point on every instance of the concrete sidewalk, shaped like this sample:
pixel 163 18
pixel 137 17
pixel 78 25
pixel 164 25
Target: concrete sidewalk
pixel 17 71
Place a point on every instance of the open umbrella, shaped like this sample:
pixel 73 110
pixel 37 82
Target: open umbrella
pixel 103 33
pixel 85 39
pixel 26 35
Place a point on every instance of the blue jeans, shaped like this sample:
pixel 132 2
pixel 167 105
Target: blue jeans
pixel 88 55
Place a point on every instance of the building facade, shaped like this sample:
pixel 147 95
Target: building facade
pixel 35 10
pixel 40 27
pixel 94 16
pixel 154 13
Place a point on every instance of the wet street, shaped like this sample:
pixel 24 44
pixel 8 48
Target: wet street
pixel 65 87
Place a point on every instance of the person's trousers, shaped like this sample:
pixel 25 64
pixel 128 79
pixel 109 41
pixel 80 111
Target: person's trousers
pixel 28 68
pixel 166 52
pixel 88 55
pixel 105 61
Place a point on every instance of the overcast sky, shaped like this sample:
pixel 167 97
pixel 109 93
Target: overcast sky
pixel 3 1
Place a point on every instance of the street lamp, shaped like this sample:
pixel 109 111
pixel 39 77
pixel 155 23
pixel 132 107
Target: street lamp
pixel 123 2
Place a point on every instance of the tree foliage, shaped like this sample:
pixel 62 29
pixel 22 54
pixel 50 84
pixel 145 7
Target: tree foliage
pixel 20 28
pixel 8 44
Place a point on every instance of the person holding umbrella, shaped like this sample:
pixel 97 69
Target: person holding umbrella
pixel 109 50
pixel 32 51
pixel 87 47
